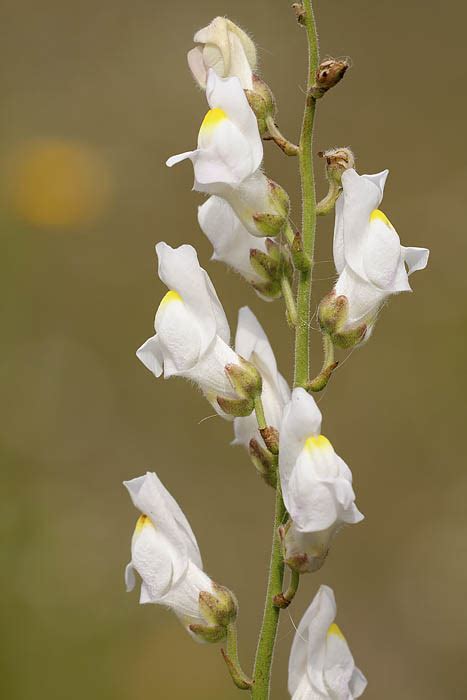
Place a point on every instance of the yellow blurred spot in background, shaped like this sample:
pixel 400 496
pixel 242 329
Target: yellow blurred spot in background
pixel 57 184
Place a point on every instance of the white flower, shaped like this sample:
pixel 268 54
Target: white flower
pixel 367 252
pixel 316 485
pixel 252 344
pixel 231 241
pixel 229 154
pixel 225 48
pixel 321 665
pixel 192 332
pixel 165 553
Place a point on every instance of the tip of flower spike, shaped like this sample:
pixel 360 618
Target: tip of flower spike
pixel 378 215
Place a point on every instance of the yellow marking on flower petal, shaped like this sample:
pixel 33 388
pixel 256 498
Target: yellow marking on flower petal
pixel 336 631
pixel 142 522
pixel 170 297
pixel 378 214
pixel 212 119
pixel 318 442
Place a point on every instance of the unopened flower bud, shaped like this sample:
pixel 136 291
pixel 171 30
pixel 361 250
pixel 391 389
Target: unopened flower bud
pixel 337 161
pixel 329 73
pixel 300 12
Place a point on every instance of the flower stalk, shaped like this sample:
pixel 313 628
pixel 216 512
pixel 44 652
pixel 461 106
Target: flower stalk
pixel 267 639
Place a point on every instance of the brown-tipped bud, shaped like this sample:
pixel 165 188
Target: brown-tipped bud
pixel 300 12
pixel 329 73
pixel 337 161
pixel 300 259
pixel 264 462
pixel 245 379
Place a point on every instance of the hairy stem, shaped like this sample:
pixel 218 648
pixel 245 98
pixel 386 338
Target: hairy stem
pixel 265 650
pixel 302 336
pixel 267 639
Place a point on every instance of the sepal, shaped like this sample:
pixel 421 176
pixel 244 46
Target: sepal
pixel 333 313
pixel 238 408
pixel 245 379
pixel 219 608
pixel 329 73
pixel 205 633
pixel 262 102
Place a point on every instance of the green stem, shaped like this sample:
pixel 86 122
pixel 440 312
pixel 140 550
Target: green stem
pixel 265 650
pixel 302 337
pixel 267 639
pixel 240 678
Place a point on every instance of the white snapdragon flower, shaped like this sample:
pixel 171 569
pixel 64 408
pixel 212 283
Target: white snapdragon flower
pixel 251 342
pixel 229 155
pixel 225 48
pixel 370 261
pixel 165 554
pixel 231 241
pixel 192 332
pixel 321 665
pixel 316 485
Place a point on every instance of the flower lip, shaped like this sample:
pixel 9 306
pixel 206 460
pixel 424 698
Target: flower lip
pixel 142 522
pixel 335 630
pixel 213 118
pixel 170 297
pixel 317 442
pixel 378 215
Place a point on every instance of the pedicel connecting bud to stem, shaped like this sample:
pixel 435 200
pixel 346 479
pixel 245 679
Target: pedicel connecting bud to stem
pixel 369 258
pixel 165 554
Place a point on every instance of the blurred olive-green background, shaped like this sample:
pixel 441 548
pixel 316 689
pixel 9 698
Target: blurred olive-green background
pixel 95 97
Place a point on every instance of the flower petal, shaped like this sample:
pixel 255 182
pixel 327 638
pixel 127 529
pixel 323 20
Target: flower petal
pixel 301 419
pixel 180 270
pixel 150 354
pixel 151 497
pixel 228 94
